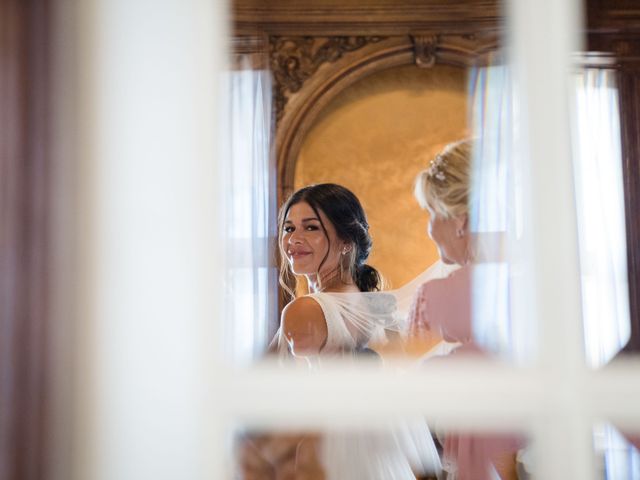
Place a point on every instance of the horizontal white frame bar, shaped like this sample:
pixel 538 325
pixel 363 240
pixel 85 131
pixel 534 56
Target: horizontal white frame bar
pixel 503 396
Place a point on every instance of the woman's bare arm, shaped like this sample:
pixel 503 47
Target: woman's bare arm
pixel 304 327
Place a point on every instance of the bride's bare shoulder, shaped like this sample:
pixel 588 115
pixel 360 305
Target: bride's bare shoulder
pixel 302 311
pixel 304 325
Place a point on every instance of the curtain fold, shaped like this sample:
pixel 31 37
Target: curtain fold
pixel 500 322
pixel 250 211
pixel 600 212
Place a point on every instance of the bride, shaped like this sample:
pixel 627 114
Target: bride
pixel 324 237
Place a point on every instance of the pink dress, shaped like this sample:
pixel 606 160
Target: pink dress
pixel 443 306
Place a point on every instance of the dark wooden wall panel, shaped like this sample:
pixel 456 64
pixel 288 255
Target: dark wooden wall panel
pixel 629 86
pixel 24 176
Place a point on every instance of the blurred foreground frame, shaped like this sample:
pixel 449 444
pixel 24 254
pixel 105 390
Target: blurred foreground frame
pixel 325 40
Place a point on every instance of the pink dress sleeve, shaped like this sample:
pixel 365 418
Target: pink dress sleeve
pixel 444 306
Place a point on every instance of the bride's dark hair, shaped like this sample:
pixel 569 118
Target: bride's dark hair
pixel 344 211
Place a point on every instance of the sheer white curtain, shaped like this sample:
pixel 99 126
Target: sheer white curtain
pixel 618 458
pixel 250 211
pixel 601 227
pixel 496 215
pixel 601 219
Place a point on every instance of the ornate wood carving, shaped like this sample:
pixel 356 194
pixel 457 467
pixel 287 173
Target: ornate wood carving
pixel 425 49
pixel 454 49
pixel 295 59
pixel 301 91
pixel 318 90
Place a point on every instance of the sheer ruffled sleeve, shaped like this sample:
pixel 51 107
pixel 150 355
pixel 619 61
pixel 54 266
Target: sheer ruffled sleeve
pixel 418 323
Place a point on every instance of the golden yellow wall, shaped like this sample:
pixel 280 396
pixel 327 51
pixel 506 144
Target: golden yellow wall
pixel 373 139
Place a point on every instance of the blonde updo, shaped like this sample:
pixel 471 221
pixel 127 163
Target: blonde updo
pixel 443 188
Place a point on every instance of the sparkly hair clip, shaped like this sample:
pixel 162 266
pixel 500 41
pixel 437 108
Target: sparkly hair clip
pixel 436 168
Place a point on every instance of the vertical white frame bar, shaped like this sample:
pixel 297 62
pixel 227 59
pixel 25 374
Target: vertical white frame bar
pixel 148 74
pixel 545 35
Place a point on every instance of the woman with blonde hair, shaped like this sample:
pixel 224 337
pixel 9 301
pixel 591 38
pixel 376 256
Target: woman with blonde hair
pixel 443 190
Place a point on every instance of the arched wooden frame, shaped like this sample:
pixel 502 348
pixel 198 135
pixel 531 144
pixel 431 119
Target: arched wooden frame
pixel 303 108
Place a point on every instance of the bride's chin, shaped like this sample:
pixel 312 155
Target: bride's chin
pixel 300 270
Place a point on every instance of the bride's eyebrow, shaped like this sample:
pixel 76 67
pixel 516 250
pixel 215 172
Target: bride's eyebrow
pixel 309 219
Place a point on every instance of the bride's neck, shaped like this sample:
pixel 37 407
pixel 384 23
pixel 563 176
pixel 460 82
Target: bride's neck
pixel 330 282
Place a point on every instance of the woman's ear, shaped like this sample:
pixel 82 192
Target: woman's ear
pixel 462 225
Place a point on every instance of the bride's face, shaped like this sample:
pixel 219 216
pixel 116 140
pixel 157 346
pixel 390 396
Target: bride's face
pixel 305 242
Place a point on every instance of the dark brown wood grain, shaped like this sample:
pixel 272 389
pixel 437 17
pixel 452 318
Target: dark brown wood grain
pixel 24 177
pixel 364 17
pixel 629 87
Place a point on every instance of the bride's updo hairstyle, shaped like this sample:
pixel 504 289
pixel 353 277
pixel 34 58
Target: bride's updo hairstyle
pixel 343 209
pixel 443 188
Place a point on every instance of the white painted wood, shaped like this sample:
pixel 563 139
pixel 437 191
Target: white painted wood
pixel 148 183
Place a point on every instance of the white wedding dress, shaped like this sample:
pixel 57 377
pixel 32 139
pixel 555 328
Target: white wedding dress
pixel 353 321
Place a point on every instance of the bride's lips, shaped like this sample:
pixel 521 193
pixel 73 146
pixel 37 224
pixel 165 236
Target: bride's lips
pixel 298 254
